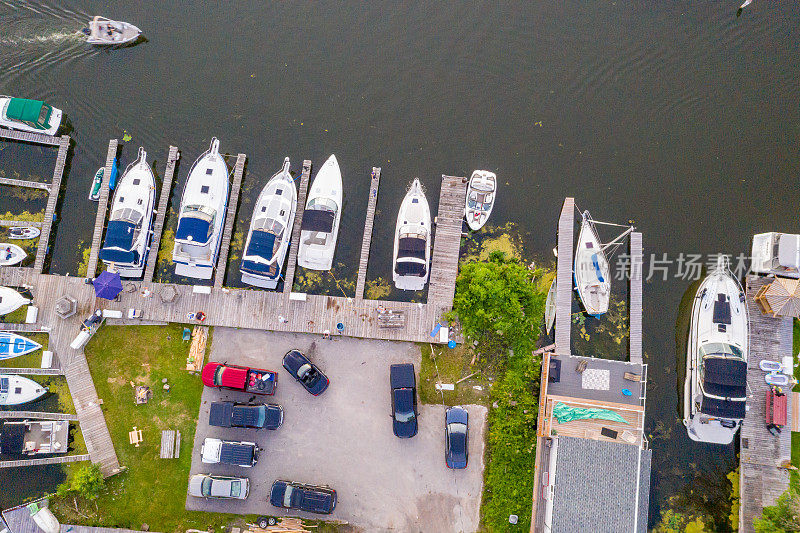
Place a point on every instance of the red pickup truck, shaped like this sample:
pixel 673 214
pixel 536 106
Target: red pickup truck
pixel 252 380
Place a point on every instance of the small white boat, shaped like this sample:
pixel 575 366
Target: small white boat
pixel 11 300
pixel 715 390
pixel 550 308
pixel 481 194
pixel 412 241
pixel 270 231
pixel 320 225
pixel 13 345
pixel 202 215
pixel 770 366
pixel 16 390
pixel 97 181
pixel 11 254
pixel 776 253
pixel 29 115
pixel 129 227
pixel 778 379
pixel 107 32
pixel 23 232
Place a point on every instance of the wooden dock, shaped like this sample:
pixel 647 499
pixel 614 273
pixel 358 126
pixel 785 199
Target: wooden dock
pixel 161 213
pixel 635 296
pixel 38 415
pixel 762 479
pixel 447 241
pixel 52 201
pixel 14 223
pixel 23 183
pixel 230 219
pixel 294 246
pixel 30 137
pixel 102 207
pixel 563 325
pixel 33 371
pixel 375 179
pixel 59 459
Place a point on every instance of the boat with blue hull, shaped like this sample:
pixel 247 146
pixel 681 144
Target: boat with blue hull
pixel 13 345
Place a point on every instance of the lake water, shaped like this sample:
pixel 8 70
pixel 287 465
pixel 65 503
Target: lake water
pixel 676 115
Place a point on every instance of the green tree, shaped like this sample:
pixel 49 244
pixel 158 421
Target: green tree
pixel 674 522
pixel 783 517
pixel 86 482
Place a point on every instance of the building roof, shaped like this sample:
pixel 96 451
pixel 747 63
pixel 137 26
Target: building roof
pixel 600 482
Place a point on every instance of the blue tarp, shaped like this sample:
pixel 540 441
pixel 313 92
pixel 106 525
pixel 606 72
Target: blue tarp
pixel 193 229
pixel 260 268
pixel 261 244
pixel 118 244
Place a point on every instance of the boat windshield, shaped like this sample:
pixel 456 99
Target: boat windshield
pixel 325 204
pixel 200 211
pixel 721 349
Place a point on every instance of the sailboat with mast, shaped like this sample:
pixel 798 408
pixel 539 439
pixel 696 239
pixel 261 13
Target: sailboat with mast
pixel 592 270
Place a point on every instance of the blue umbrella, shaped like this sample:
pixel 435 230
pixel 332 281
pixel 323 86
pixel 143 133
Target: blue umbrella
pixel 107 285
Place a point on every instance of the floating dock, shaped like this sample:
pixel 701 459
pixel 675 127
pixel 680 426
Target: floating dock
pixel 361 280
pixel 563 324
pixel 230 219
pixel 294 245
pixel 102 208
pixel 161 213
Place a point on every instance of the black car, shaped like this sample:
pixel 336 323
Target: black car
pixel 456 422
pixel 310 498
pixel 242 415
pixel 306 372
pixel 404 400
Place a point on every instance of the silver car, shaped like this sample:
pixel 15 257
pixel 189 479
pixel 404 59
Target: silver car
pixel 208 486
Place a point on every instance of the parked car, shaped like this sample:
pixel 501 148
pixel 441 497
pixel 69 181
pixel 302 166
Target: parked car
pixel 456 423
pixel 228 452
pixel 243 415
pixel 242 378
pixel 306 372
pixel 208 486
pixel 310 498
pixel 403 382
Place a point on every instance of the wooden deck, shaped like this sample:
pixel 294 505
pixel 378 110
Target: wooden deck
pixel 24 136
pixel 59 459
pixel 14 223
pixel 302 191
pixel 33 371
pixel 161 213
pixel 563 325
pixel 762 480
pixel 447 241
pixel 230 219
pixel 102 207
pixel 635 295
pixel 23 183
pixel 38 415
pixel 375 179
pixel 52 200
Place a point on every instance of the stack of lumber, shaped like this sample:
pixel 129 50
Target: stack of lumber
pixel 197 351
pixel 285 525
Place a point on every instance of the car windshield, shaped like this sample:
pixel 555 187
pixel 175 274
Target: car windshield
pixel 287 496
pixel 218 375
pixel 458 428
pixel 236 488
pixel 262 416
pixel 205 488
pixel 403 406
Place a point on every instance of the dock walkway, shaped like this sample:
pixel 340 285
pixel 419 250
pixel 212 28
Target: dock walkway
pixel 102 208
pixel 361 281
pixel 161 213
pixel 563 324
pixel 447 241
pixel 635 295
pixel 52 201
pixel 38 415
pixel 230 219
pixel 302 192
pixel 24 183
pixel 32 371
pixel 58 459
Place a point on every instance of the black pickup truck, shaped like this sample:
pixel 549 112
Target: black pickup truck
pixel 242 415
pixel 404 400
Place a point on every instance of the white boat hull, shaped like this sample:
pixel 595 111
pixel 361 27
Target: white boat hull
pixel 10 300
pixel 481 195
pixel 16 390
pixel 592 272
pixel 550 308
pixel 106 32
pixel 412 241
pixel 317 247
pixel 11 254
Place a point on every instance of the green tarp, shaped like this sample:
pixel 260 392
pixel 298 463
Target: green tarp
pixel 565 413
pixel 27 110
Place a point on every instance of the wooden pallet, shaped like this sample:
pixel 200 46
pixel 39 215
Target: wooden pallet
pixel 170 444
pixel 197 351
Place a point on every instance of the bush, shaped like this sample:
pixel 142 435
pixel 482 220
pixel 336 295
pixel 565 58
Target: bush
pixel 782 517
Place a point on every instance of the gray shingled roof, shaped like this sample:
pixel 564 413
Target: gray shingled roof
pixel 595 484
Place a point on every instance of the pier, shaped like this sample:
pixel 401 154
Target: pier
pixel 762 456
pixel 37 415
pixel 59 459
pixel 32 371
pixel 230 219
pixel 635 299
pixel 161 213
pixel 13 223
pixel 563 324
pixel 447 241
pixel 302 191
pixel 102 207
pixel 23 183
pixel 375 179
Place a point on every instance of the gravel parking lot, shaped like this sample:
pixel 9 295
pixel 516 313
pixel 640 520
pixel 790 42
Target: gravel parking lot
pixel 344 438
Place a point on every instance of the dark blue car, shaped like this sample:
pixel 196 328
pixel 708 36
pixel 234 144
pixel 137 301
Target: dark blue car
pixel 306 372
pixel 456 421
pixel 403 382
pixel 309 498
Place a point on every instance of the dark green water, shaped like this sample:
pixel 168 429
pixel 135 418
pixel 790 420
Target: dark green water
pixel 677 115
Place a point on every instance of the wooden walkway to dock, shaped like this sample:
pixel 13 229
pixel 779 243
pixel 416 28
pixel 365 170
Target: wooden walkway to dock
pixel 52 201
pixel 161 213
pixel 361 281
pixel 36 138
pixel 38 415
pixel 23 183
pixel 447 241
pixel 33 371
pixel 59 459
pixel 635 297
pixel 230 219
pixel 14 223
pixel 762 480
pixel 563 325
pixel 294 246
pixel 102 208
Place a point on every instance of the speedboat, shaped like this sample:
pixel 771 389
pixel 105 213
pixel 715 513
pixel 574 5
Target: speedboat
pixel 776 253
pixel 592 273
pixel 320 226
pixel 270 231
pixel 107 32
pixel 15 390
pixel 202 215
pixel 23 232
pixel 11 300
pixel 97 181
pixel 29 115
pixel 128 233
pixel 715 391
pixel 412 241
pixel 550 308
pixel 481 193
pixel 34 437
pixel 13 345
pixel 11 254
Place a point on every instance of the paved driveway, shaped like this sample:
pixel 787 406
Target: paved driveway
pixel 344 439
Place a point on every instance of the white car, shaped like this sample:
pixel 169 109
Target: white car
pixel 208 486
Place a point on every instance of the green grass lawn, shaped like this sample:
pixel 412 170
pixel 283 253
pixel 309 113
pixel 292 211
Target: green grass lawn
pixel 452 365
pixel 15 317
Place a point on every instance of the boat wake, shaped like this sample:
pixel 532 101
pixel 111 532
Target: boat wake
pixel 56 37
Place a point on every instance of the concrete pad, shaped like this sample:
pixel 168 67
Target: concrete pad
pixel 344 438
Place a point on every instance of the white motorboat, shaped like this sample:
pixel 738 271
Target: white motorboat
pixel 550 308
pixel 11 300
pixel 481 193
pixel 23 232
pixel 202 215
pixel 29 115
pixel 34 437
pixel 11 254
pixel 270 231
pixel 16 390
pixel 320 226
pixel 412 241
pixel 129 228
pixel 776 253
pixel 715 391
pixel 107 32
pixel 13 345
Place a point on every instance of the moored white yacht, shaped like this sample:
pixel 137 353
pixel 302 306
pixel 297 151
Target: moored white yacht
pixel 715 391
pixel 202 215
pixel 776 253
pixel 270 231
pixel 320 226
pixel 16 390
pixel 129 227
pixel 29 115
pixel 412 241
